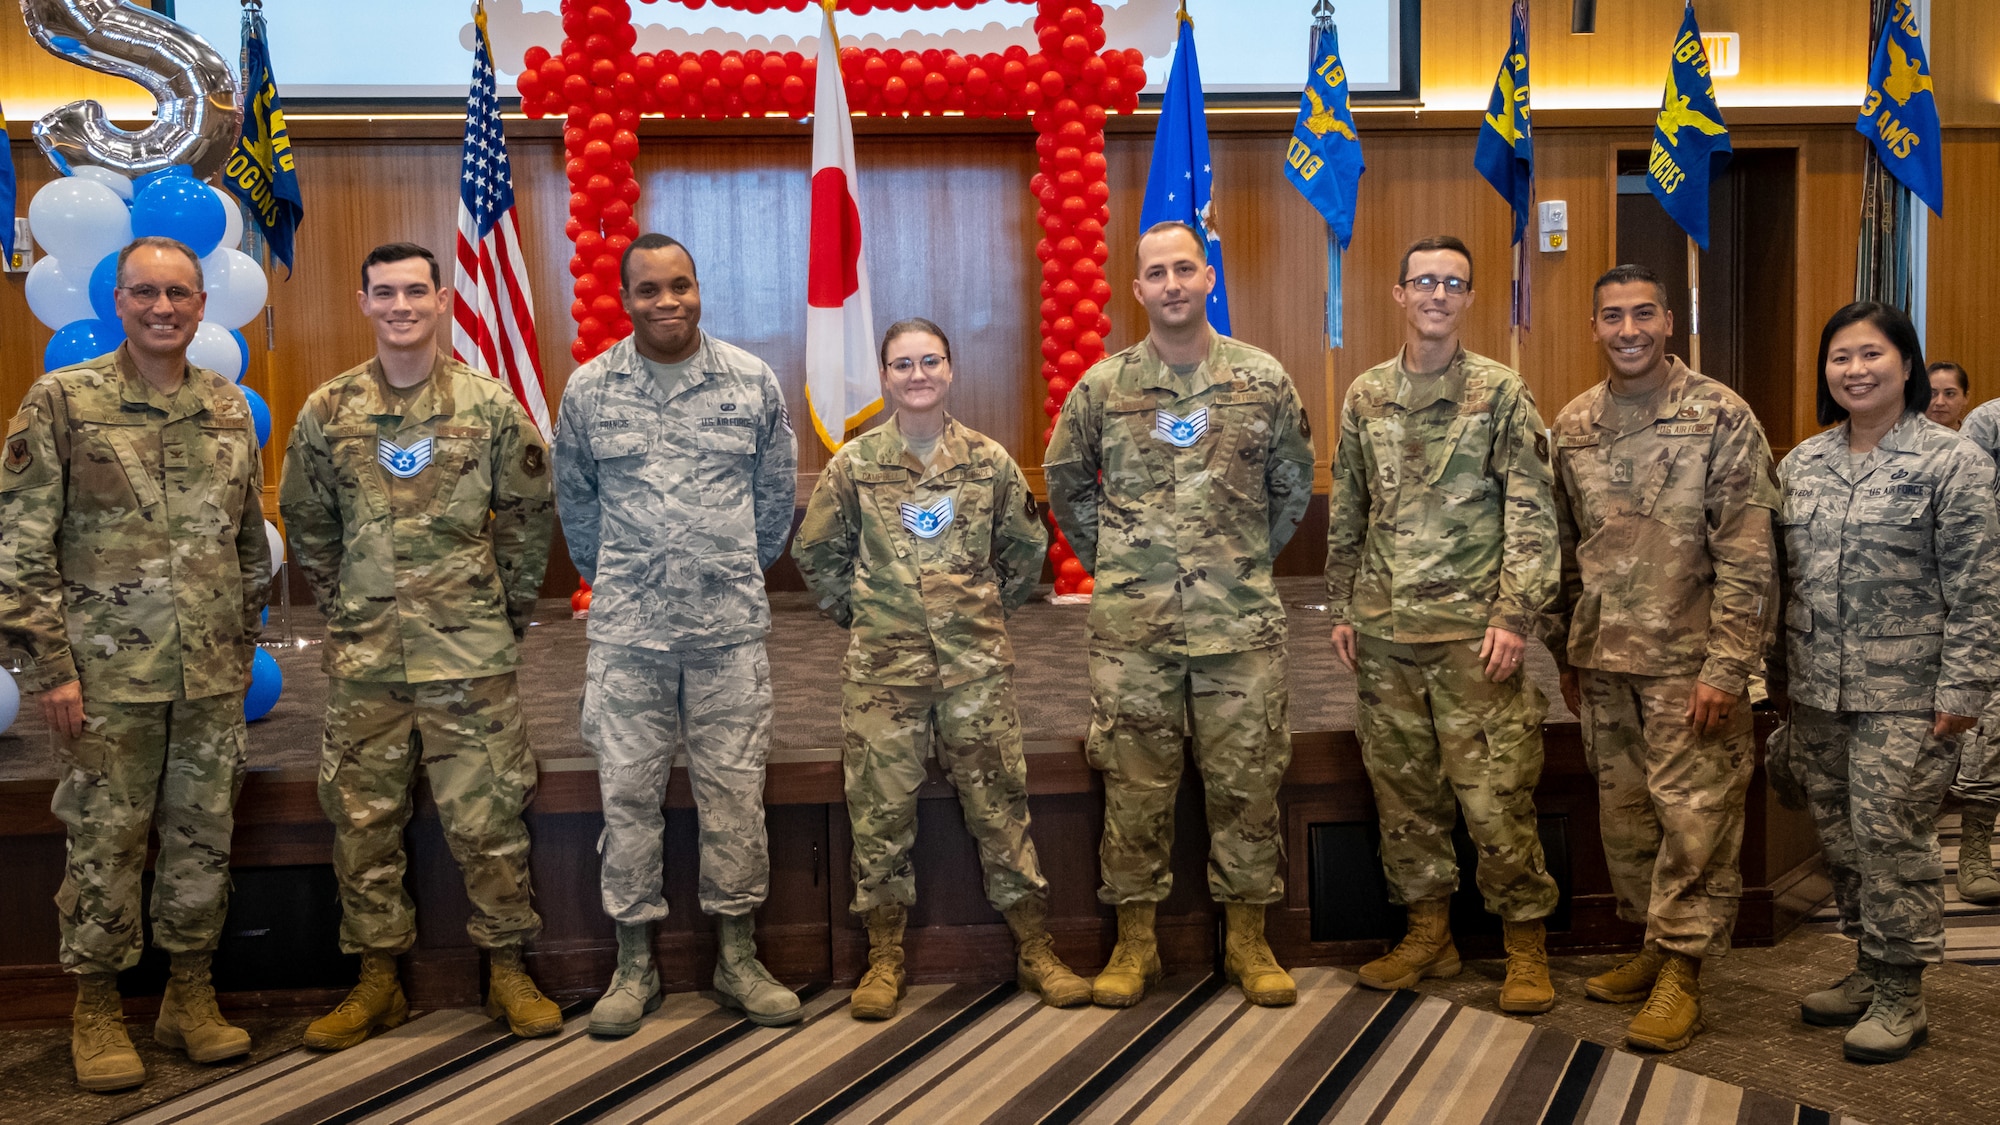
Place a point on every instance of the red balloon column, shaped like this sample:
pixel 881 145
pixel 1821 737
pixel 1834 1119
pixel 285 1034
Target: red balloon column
pixel 601 88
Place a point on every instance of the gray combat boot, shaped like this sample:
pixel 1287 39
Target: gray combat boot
pixel 1842 1004
pixel 744 983
pixel 1896 1022
pixel 1975 855
pixel 635 985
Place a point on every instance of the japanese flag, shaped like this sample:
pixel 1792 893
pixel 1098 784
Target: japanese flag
pixel 842 385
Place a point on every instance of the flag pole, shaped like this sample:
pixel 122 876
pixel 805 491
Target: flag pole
pixel 1694 304
pixel 1514 329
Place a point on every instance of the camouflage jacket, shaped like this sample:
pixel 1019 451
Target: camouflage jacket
pixel 923 565
pixel 1982 425
pixel 1441 522
pixel 1204 478
pixel 422 525
pixel 1668 567
pixel 133 555
pixel 1890 597
pixel 674 499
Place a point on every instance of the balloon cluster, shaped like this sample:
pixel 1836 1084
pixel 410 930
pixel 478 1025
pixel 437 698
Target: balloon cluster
pixel 1074 197
pixel 579 602
pixel 84 219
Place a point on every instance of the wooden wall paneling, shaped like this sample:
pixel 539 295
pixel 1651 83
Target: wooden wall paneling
pixel 1961 326
pixel 1829 226
pixel 1964 63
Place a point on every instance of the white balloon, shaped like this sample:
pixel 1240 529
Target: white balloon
pixel 214 348
pixel 81 220
pixel 55 297
pixel 277 541
pixel 236 288
pixel 115 181
pixel 232 212
pixel 10 700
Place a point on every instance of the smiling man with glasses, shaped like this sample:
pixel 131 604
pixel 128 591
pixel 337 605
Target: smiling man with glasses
pixel 131 502
pixel 1441 560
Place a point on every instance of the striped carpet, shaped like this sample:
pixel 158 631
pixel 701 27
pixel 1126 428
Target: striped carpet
pixel 1971 931
pixel 1193 1051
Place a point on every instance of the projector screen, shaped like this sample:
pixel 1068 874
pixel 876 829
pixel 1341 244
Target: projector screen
pixel 366 50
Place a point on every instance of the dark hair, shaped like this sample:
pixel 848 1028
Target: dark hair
pixel 1200 243
pixel 652 242
pixel 1893 323
pixel 911 324
pixel 1964 383
pixel 400 252
pixel 159 242
pixel 1435 242
pixel 1627 275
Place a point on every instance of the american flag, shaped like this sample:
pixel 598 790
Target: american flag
pixel 493 316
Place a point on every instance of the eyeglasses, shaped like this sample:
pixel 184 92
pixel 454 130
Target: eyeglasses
pixel 1428 283
pixel 932 364
pixel 149 295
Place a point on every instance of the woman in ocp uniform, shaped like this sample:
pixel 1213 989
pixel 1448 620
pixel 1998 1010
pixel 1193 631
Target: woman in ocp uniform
pixel 1891 617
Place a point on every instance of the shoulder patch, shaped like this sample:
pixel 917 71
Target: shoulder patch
pixel 533 461
pixel 19 455
pixel 1542 446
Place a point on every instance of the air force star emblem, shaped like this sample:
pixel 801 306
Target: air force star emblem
pixel 928 523
pixel 403 463
pixel 1178 431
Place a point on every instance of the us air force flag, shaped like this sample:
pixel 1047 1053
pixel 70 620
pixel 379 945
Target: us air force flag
pixel 1690 142
pixel 1506 153
pixel 260 171
pixel 1899 116
pixel 1180 185
pixel 1324 159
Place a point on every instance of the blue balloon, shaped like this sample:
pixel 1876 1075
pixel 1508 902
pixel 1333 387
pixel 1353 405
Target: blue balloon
pixel 143 182
pixel 267 682
pixel 260 414
pixel 104 288
pixel 265 618
pixel 242 345
pixel 183 208
pixel 80 341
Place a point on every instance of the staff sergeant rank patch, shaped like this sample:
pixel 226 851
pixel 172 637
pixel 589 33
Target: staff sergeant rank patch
pixel 403 463
pixel 1178 431
pixel 928 523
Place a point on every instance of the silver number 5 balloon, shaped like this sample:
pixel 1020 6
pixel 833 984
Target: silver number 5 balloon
pixel 197 121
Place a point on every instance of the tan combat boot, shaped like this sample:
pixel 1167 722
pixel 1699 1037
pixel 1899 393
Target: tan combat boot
pixel 1135 960
pixel 1527 990
pixel 1975 856
pixel 1425 951
pixel 1037 969
pixel 875 998
pixel 1896 1022
pixel 511 995
pixel 1247 960
pixel 376 1002
pixel 1672 1015
pixel 1628 981
pixel 743 981
pixel 98 1045
pixel 189 1020
pixel 1843 1003
pixel 635 985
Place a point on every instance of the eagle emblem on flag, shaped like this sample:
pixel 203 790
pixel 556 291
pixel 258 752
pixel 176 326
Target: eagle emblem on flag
pixel 928 523
pixel 1178 431
pixel 403 463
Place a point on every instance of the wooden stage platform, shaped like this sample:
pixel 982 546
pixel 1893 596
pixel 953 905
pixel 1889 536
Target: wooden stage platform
pixel 280 948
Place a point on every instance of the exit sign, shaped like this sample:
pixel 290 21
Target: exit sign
pixel 1724 53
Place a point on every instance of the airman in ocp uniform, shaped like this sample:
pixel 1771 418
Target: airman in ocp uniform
pixel 676 478
pixel 922 537
pixel 1441 560
pixel 133 568
pixel 1178 470
pixel 417 500
pixel 1665 493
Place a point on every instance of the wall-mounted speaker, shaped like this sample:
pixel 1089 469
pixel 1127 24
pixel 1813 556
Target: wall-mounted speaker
pixel 1583 17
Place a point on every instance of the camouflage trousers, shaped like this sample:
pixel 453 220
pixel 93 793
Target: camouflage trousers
pixel 1438 737
pixel 1874 781
pixel 1670 806
pixel 1144 707
pixel 1977 783
pixel 469 738
pixel 716 704
pixel 890 729
pixel 176 765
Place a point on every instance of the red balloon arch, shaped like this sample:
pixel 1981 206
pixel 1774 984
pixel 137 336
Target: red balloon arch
pixel 601 88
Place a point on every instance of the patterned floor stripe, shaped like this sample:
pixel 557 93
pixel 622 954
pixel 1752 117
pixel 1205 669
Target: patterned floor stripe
pixel 1192 1051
